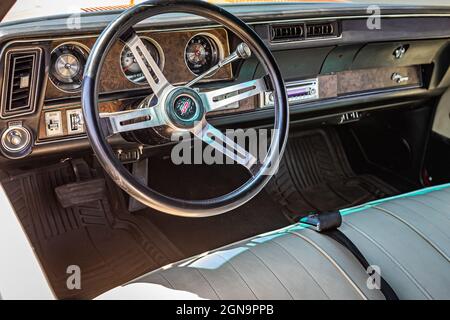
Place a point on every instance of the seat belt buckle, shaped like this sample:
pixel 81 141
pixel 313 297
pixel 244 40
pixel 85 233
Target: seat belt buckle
pixel 324 221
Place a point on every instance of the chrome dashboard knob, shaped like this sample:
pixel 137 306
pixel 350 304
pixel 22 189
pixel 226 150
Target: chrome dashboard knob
pixel 16 141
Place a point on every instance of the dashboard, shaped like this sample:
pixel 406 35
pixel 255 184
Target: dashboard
pixel 336 69
pixel 181 55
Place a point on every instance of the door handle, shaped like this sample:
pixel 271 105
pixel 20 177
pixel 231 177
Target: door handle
pixel 397 77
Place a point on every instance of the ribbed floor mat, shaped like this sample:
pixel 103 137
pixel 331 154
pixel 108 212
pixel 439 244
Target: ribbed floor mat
pixel 109 245
pixel 315 175
pixel 194 236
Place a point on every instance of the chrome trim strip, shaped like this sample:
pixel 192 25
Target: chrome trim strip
pixel 277 43
pixel 387 90
pixel 417 15
pixel 62 139
pixel 337 17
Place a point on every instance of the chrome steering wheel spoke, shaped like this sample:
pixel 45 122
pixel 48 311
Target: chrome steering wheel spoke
pixel 228 147
pixel 220 98
pixel 149 67
pixel 130 120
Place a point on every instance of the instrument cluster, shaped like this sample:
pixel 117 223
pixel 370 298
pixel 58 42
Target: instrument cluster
pixel 68 60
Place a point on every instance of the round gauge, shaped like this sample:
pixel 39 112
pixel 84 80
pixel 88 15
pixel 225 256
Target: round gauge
pixel 131 68
pixel 201 53
pixel 67 66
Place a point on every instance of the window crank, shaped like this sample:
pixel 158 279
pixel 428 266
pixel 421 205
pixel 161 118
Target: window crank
pixel 397 77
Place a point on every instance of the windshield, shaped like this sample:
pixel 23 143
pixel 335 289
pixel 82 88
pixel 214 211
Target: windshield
pixel 24 9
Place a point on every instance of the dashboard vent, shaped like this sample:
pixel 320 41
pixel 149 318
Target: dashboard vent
pixel 303 31
pixel 287 32
pixel 321 30
pixel 20 82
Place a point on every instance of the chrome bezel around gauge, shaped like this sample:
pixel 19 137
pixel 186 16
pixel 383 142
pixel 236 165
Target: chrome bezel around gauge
pixel 86 55
pixel 214 41
pixel 161 63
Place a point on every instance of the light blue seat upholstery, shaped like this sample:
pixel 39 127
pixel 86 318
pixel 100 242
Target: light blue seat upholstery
pixel 407 237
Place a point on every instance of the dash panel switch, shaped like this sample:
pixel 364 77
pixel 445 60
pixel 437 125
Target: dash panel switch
pixel 75 122
pixel 53 124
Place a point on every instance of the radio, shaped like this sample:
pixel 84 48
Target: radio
pixel 297 91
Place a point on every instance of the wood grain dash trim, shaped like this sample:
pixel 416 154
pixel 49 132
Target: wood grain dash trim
pixel 172 44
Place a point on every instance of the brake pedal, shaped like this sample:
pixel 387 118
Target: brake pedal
pixel 86 189
pixel 79 193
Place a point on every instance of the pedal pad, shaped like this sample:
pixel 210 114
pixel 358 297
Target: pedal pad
pixel 79 193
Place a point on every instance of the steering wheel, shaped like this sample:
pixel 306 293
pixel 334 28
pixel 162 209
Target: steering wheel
pixel 164 113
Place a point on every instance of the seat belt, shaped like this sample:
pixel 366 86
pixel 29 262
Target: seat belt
pixel 327 223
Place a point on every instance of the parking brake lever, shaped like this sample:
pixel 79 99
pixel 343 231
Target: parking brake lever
pixel 242 52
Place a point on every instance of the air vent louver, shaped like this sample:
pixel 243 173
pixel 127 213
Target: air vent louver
pixel 20 82
pixel 320 30
pixel 303 31
pixel 287 32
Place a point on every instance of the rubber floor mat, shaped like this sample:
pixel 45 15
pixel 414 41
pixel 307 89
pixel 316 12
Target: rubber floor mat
pixel 194 236
pixel 109 245
pixel 315 176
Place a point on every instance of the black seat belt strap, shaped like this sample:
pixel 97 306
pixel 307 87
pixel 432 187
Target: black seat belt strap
pixel 328 223
pixel 340 237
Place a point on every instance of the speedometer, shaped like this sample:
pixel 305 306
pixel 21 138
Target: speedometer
pixel 201 53
pixel 131 68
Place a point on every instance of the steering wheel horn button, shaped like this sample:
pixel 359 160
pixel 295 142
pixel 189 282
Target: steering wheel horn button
pixel 184 108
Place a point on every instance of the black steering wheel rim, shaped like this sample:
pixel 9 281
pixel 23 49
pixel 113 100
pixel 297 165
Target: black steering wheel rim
pixel 108 159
